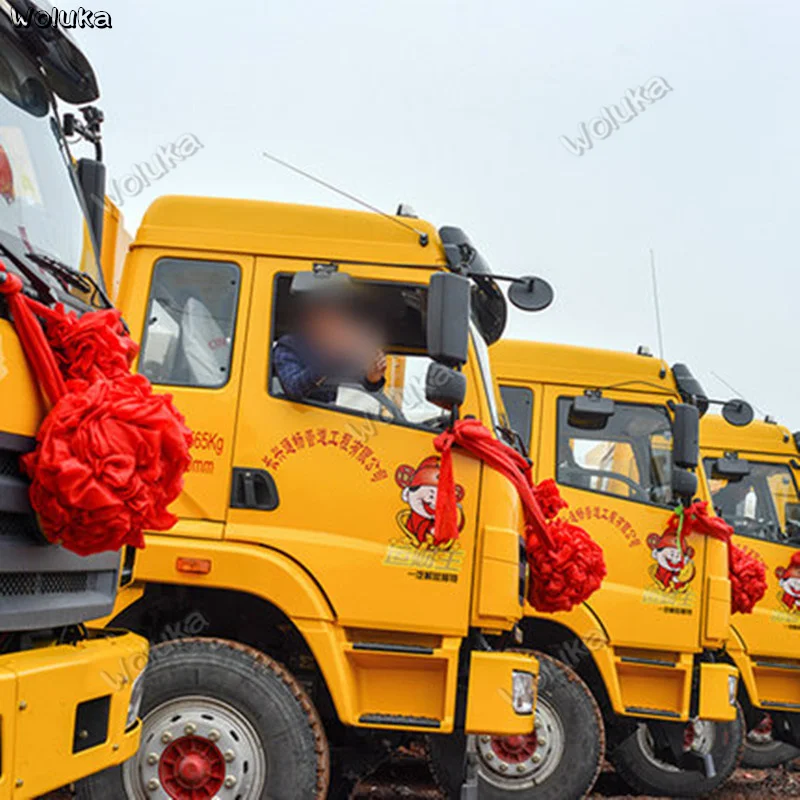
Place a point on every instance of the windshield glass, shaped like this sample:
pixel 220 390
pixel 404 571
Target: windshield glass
pixel 40 210
pixel 762 504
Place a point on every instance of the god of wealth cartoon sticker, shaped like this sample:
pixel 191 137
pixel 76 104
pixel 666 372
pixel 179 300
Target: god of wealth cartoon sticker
pixel 6 177
pixel 789 582
pixel 674 569
pixel 420 487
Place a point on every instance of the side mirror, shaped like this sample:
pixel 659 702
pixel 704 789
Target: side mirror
pixel 686 436
pixel 738 413
pixel 531 294
pixel 684 483
pixel 92 180
pixel 590 412
pixel 731 469
pixel 444 387
pixel 448 318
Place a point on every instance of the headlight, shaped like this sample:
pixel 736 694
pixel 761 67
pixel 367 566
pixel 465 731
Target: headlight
pixel 137 692
pixel 732 686
pixel 522 692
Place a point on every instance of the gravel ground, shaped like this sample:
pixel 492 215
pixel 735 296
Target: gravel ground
pixel 409 778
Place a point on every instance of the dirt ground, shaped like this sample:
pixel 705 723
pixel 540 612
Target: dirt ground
pixel 409 778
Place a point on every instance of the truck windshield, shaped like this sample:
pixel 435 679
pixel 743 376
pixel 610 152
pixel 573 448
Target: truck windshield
pixel 760 504
pixel 40 209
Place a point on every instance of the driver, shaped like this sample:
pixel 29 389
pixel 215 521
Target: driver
pixel 330 345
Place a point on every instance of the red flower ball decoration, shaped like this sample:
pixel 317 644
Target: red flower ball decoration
pixel 748 580
pixel 110 454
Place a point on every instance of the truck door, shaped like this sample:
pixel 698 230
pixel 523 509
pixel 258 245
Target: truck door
pixel 192 339
pixel 762 508
pixel 616 476
pixel 347 487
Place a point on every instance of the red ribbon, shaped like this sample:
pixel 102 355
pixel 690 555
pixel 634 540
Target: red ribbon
pixel 748 576
pixel 566 566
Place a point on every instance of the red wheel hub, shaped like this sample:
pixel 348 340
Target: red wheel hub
pixel 688 737
pixel 764 727
pixel 191 768
pixel 514 749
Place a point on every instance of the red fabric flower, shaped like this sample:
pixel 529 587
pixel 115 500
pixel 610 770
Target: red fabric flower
pixel 111 458
pixel 110 454
pixel 549 498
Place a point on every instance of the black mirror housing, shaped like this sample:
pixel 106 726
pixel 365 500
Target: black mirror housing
pixel 444 387
pixel 684 483
pixel 731 469
pixel 590 412
pixel 686 436
pixel 92 180
pixel 448 318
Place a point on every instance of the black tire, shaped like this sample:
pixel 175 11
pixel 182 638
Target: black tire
pixel 638 768
pixel 567 716
pixel 241 699
pixel 761 751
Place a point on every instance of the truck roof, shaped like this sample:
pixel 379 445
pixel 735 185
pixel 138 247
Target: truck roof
pixel 265 228
pixel 757 437
pixel 543 362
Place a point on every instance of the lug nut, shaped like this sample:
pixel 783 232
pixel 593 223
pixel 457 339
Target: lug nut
pixel 152 759
pixel 190 729
pixel 230 782
pixel 504 768
pixel 229 755
pixel 166 737
pixel 489 756
pixel 214 736
pixel 486 739
pixel 536 758
pixel 520 768
pixel 152 784
pixel 542 741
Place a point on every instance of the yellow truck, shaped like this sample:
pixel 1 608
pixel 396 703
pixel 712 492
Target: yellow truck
pixel 304 539
pixel 618 433
pixel 753 468
pixel 68 696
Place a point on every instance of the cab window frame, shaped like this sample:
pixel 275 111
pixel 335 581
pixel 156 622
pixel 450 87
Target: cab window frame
pixel 667 505
pixel 234 321
pixel 781 538
pixel 350 412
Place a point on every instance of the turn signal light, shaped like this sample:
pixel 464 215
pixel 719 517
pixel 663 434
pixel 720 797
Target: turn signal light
pixel 194 566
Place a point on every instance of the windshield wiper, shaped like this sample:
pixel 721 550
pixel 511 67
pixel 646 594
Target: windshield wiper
pixel 81 281
pixel 42 288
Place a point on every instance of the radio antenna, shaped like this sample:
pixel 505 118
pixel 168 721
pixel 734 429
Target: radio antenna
pixel 423 236
pixel 657 303
pixel 734 390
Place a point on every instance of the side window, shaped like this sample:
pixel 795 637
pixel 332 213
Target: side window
pixel 518 401
pixel 380 318
pixel 629 455
pixel 191 318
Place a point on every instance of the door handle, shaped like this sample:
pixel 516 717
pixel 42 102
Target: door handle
pixel 253 488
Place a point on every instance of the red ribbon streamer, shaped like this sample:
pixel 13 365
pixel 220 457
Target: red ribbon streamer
pixel 566 566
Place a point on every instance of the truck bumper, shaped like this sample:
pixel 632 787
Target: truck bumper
pixel 501 698
pixel 64 711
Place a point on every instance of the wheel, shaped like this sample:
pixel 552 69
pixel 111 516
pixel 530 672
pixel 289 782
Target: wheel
pixel 637 764
pixel 761 751
pixel 219 716
pixel 559 761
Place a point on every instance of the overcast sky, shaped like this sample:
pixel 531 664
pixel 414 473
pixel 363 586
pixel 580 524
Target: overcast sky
pixel 458 108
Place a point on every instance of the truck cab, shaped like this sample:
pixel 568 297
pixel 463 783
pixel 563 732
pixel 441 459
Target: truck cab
pixel 306 524
pixel 753 469
pixel 64 691
pixel 610 429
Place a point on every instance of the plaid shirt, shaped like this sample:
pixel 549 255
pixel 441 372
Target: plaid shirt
pixel 303 376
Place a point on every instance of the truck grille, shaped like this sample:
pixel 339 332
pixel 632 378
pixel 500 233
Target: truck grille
pixel 43 585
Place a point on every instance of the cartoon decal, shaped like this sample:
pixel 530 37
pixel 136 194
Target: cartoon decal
pixel 789 581
pixel 674 569
pixel 420 488
pixel 6 177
